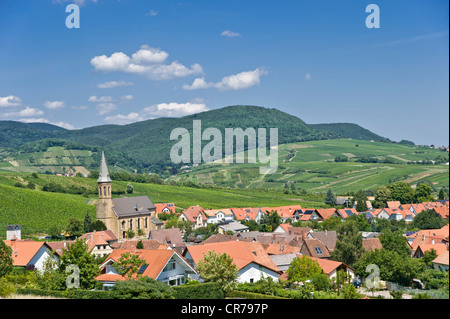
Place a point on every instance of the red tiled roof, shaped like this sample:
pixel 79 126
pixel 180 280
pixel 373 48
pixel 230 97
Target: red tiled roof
pixel 24 250
pixel 326 213
pixel 243 253
pixel 442 259
pixel 192 212
pixel 160 207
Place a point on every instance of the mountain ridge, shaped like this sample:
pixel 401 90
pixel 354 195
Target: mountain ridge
pixel 145 145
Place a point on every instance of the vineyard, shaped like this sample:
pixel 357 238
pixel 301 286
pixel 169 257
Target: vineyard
pixel 36 211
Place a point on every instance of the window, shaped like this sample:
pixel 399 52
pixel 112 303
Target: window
pixel 318 250
pixel 142 269
pixel 170 266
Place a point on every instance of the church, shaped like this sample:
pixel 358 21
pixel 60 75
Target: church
pixel 122 214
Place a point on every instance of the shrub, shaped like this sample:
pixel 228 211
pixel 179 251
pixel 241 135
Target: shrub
pixel 143 288
pixel 210 290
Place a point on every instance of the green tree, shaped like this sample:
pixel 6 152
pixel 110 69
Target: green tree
pixel 429 256
pixel 218 268
pixel 6 261
pixel 330 199
pixel 87 223
pixel 423 193
pixel 442 194
pixel 98 225
pixel 129 264
pixel 395 241
pixel 349 292
pixel 349 246
pixel 78 254
pixel 361 199
pixel 303 268
pixel 382 195
pixel 428 220
pixel 321 282
pixel 401 191
pixel 54 231
pixel 74 227
pixel 270 221
pixel 393 267
pixel 140 245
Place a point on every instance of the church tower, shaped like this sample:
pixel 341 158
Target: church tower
pixel 104 204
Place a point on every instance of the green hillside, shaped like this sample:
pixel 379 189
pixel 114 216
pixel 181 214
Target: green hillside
pixel 311 166
pixel 146 145
pixel 350 130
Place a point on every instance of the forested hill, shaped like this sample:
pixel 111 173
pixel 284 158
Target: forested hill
pixel 350 130
pixel 14 133
pixel 146 145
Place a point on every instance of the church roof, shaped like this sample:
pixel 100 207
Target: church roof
pixel 104 174
pixel 132 206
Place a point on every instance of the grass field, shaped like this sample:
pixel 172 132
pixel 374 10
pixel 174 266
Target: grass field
pixel 312 167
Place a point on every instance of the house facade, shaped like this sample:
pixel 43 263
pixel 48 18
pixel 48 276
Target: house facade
pixel 163 265
pixel 30 254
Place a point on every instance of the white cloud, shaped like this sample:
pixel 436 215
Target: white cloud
pixel 175 109
pixel 113 84
pixel 308 76
pixel 151 13
pixel 26 112
pixel 159 110
pixel 230 34
pixel 43 120
pixel 104 108
pixel 54 105
pixel 127 97
pixel 95 99
pixel 147 61
pixel 149 55
pixel 10 101
pixel 79 108
pixel 124 119
pixel 238 81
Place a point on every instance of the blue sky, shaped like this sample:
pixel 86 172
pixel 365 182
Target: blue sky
pixel 133 60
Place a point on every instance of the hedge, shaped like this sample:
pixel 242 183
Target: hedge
pixel 208 290
pixel 251 295
pixel 67 294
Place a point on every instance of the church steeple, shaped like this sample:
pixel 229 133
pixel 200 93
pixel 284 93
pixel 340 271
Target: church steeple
pixel 104 174
pixel 104 203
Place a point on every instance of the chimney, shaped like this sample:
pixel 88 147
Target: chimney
pixel 432 241
pixel 423 237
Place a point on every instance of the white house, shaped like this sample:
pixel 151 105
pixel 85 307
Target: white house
pixel 30 254
pixel 250 258
pixel 163 265
pixel 218 215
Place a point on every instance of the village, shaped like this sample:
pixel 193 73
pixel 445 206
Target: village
pixel 292 247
